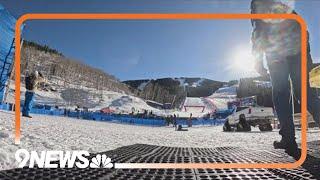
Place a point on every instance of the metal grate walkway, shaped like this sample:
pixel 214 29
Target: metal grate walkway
pixel 141 153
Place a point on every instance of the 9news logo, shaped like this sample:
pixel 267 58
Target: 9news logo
pixel 61 159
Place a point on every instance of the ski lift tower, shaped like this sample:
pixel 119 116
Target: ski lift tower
pixel 7 49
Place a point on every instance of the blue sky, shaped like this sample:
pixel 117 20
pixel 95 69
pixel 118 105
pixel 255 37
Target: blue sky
pixel 154 49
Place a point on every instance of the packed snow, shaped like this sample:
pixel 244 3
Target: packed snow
pixel 193 101
pixel 61 133
pixel 226 91
pixel 222 96
pixel 117 101
pixel 217 101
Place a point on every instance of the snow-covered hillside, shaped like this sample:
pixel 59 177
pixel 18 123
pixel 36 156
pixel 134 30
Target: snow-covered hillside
pixel 222 96
pixel 70 96
pixel 186 82
pixel 173 90
pixel 201 106
pixel 120 102
pixel 226 91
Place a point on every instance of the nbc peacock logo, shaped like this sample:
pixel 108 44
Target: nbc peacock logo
pixel 101 161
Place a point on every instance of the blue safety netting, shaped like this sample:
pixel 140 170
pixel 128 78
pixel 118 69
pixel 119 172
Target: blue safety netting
pixel 7 29
pixel 201 122
pixel 222 114
pixel 114 118
pixel 6 106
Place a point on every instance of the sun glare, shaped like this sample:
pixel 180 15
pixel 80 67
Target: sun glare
pixel 241 62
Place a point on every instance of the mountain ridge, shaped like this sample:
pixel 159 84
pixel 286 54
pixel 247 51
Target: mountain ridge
pixel 173 90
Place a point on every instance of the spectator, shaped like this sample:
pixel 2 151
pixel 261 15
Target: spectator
pixel 279 41
pixel 32 82
pixel 190 120
pixel 174 120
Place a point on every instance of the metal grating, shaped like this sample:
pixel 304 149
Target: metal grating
pixel 141 153
pixel 204 174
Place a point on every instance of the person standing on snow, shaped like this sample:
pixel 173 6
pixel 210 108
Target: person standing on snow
pixel 279 42
pixel 32 81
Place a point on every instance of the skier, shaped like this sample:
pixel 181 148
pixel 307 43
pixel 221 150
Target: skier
pixel 32 81
pixel 279 42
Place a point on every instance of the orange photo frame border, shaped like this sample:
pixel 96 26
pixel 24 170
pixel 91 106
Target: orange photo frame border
pixel 65 16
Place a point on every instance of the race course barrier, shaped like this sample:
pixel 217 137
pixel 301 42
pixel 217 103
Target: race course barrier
pixel 114 118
